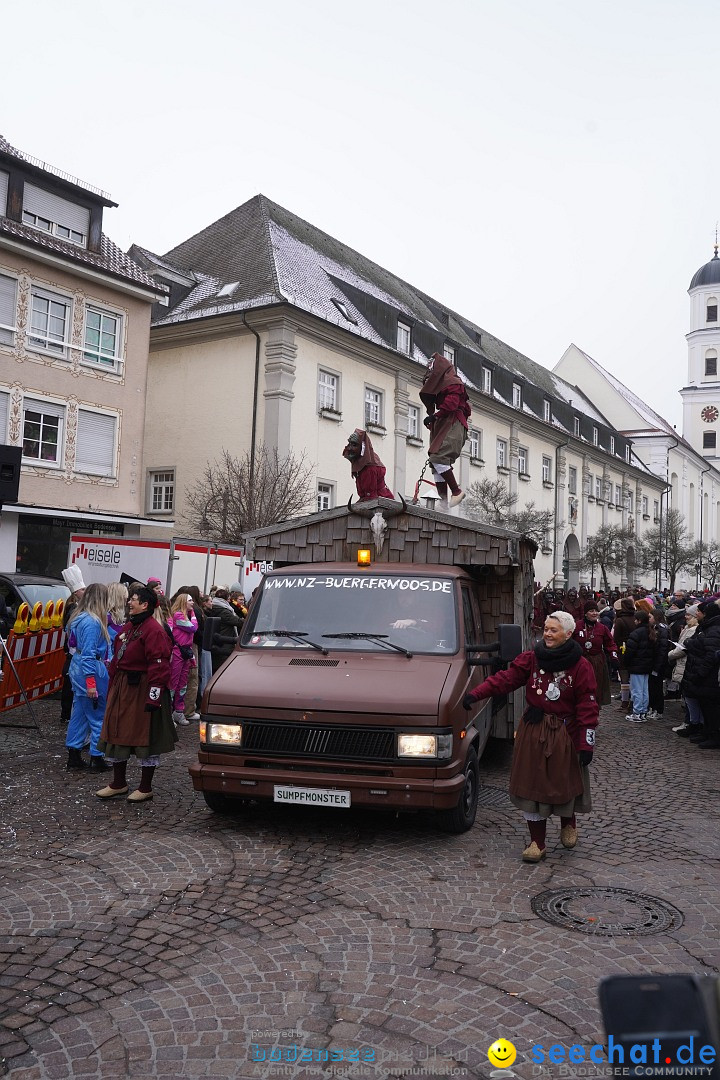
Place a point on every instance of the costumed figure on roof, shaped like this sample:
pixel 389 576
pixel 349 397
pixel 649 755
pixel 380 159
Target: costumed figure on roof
pixel 446 402
pixel 366 467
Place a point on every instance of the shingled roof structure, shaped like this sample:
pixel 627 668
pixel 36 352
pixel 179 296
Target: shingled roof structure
pixel 261 254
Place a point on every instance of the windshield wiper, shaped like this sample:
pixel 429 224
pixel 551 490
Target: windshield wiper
pixel 379 638
pixel 295 635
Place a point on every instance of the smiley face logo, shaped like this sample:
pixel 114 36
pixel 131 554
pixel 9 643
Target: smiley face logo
pixel 502 1053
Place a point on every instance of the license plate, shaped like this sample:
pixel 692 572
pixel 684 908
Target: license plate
pixel 309 796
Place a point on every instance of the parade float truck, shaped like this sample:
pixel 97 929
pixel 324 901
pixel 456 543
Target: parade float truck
pixel 346 686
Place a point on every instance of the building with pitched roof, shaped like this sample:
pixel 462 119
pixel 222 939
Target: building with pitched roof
pixel 276 332
pixel 74 331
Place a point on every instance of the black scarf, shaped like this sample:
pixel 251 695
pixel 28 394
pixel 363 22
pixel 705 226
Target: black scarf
pixel 559 659
pixel 138 620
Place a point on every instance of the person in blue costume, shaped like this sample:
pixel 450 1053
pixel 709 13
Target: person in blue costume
pixel 88 632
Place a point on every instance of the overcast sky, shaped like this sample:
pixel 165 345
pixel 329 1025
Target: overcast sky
pixel 547 169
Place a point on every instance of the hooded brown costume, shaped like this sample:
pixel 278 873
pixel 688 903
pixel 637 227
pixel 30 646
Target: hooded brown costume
pixel 366 467
pixel 446 402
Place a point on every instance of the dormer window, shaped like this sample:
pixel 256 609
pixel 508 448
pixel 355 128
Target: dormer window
pixel 59 217
pixel 517 396
pixel 576 426
pixel 449 353
pixel 343 309
pixel 547 411
pixel 404 332
pixel 711 309
pixel 595 436
pixel 487 380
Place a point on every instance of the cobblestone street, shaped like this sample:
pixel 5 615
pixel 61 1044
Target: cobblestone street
pixel 160 939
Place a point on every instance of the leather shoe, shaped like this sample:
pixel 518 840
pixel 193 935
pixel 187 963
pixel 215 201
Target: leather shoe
pixel 533 853
pixel 110 792
pixel 712 743
pixel 139 796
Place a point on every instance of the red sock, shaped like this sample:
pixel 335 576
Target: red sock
pixel 449 478
pixel 568 821
pixel 119 770
pixel 146 775
pixel 537 832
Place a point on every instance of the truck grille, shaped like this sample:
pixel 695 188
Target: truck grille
pixel 301 740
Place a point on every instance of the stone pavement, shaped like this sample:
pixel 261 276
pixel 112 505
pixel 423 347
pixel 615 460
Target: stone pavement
pixel 161 940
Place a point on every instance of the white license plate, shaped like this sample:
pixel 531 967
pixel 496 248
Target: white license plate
pixel 310 796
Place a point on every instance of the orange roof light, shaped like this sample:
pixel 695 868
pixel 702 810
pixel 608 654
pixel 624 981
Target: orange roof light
pixel 364 557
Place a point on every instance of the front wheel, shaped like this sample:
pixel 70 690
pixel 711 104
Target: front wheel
pixel 462 816
pixel 222 804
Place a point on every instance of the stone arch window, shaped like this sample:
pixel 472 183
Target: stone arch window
pixel 711 361
pixel 711 309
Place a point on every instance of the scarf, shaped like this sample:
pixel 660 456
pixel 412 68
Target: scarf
pixel 138 620
pixel 558 659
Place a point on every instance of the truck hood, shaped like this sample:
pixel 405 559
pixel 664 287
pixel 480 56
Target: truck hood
pixel 369 683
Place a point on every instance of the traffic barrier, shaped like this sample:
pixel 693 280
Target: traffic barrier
pixel 35 645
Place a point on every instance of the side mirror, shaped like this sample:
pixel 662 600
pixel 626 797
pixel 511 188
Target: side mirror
pixel 212 624
pixel 510 640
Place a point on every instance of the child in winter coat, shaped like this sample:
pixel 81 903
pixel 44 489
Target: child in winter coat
pixel 182 625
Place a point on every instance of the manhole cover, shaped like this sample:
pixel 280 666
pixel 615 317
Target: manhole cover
pixel 606 912
pixel 492 796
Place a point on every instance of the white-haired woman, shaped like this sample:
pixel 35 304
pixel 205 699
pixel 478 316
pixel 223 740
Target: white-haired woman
pixel 88 633
pixel 556 738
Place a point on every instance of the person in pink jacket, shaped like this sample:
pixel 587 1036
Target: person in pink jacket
pixel 182 625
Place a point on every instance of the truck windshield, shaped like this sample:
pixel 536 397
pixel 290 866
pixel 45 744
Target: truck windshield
pixel 416 613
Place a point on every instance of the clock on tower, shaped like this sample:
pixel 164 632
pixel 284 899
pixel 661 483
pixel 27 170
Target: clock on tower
pixel 709 414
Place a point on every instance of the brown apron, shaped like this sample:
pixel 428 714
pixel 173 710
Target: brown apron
pixel 545 767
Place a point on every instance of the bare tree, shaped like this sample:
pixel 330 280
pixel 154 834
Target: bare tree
pixel 230 499
pixel 710 565
pixel 491 502
pixel 670 547
pixel 607 549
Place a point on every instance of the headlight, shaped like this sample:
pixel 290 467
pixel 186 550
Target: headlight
pixel 221 733
pixel 424 746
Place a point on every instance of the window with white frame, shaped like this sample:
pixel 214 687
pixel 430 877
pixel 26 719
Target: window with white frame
pixel 502 453
pixel 475 438
pixel 598 487
pixel 711 309
pixel 612 444
pixel 517 395
pixel 645 505
pixel 55 215
pixel 43 431
pixel 4 178
pixel 8 306
pixel 325 495
pixel 656 509
pixel 50 315
pixel 161 485
pixel 328 385
pixel 487 380
pixel 595 436
pixel 404 335
pixel 523 460
pixel 618 495
pixel 373 407
pixel 576 426
pixel 546 470
pixel 413 422
pixel 95 450
pixel 572 479
pixel 711 367
pixel 449 352
pixel 627 452
pixel 547 410
pixel 4 409
pixel 103 337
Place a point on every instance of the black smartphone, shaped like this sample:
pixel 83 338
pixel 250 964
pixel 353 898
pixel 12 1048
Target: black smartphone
pixel 658 1025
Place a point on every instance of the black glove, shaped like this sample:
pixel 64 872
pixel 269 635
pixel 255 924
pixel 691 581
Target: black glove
pixel 469 702
pixel 429 420
pixel 585 757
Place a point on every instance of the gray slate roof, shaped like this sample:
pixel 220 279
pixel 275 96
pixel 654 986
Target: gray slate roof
pixel 261 254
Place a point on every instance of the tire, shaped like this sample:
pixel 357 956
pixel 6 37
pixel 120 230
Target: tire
pixel 222 804
pixel 462 817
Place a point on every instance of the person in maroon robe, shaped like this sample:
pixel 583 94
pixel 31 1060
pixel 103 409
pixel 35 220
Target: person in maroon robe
pixel 556 738
pixel 448 411
pixel 138 714
pixel 366 467
pixel 598 645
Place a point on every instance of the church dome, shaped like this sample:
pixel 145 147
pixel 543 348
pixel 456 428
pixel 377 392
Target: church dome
pixel 709 274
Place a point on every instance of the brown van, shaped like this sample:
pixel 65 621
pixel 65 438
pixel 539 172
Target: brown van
pixel 347 683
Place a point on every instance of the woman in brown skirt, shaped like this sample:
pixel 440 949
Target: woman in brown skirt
pixel 598 646
pixel 556 738
pixel 138 715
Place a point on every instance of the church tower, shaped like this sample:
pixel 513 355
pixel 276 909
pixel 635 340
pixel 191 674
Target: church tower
pixel 701 396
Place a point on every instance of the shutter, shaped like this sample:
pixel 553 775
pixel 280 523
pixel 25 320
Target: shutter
pixel 8 302
pixel 4 177
pixel 4 404
pixel 95 451
pixel 47 408
pixel 61 211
